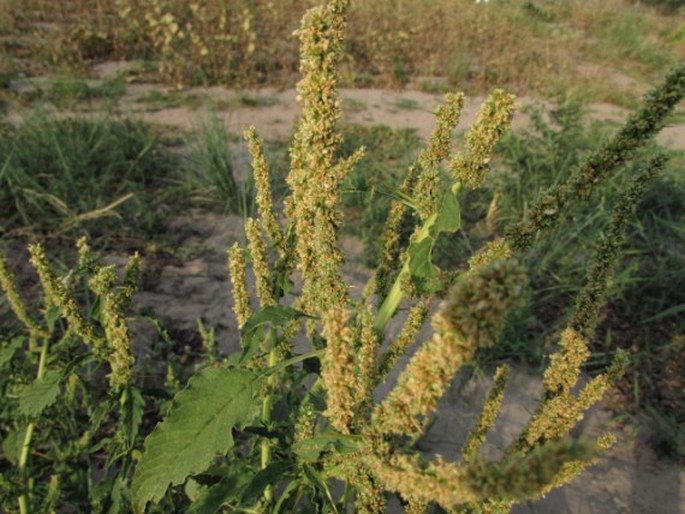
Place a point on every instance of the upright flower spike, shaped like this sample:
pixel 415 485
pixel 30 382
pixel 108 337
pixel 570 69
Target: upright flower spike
pixel 428 187
pixel 260 264
pixel 640 127
pixel 16 302
pixel 488 415
pixel 118 338
pixel 592 297
pixel 421 176
pixel 314 177
pixel 410 330
pixel 236 269
pixel 265 203
pixel 472 316
pixel 56 293
pixel 493 120
pixel 338 370
pixel 367 360
pixel 86 261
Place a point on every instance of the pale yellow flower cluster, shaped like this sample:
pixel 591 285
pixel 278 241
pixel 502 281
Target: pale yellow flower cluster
pixel 338 371
pixel 9 286
pixel 493 120
pixel 236 269
pixel 315 177
pixel 263 197
pixel 488 414
pixel 56 293
pixel 116 329
pixel 260 265
pixel 495 249
pixel 471 317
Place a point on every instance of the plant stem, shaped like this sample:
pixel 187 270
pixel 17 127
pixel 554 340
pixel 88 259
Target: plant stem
pixel 28 435
pixel 396 295
pixel 267 405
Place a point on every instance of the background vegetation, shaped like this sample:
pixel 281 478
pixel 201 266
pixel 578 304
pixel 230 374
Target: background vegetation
pixel 540 45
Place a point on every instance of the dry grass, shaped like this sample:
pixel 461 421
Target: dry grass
pixel 525 46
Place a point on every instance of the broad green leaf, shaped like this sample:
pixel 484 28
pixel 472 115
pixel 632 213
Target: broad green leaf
pixel 310 449
pixel 11 445
pixel 229 488
pixel 424 274
pixel 117 497
pixel 198 427
pixel 97 416
pixel 10 349
pixel 271 475
pixel 41 393
pixel 252 335
pixel 449 214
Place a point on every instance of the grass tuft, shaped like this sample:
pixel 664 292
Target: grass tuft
pixel 209 170
pixel 58 175
pixel 66 92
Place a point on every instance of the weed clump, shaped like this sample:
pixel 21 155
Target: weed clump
pixel 269 428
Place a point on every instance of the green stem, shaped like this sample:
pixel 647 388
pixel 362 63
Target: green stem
pixel 396 295
pixel 267 405
pixel 293 360
pixel 28 435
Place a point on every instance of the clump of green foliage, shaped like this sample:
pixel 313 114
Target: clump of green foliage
pixel 209 169
pixel 269 429
pixel 67 92
pixel 61 423
pixel 60 174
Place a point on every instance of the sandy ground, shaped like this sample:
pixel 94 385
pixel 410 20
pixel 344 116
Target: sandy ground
pixel 273 112
pixel 629 480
